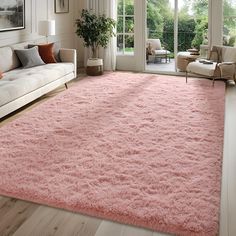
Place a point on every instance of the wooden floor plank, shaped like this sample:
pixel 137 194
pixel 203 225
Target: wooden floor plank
pixel 50 221
pixel 90 226
pixel 228 194
pixel 110 228
pixel 18 212
pixel 5 205
pixel 161 234
pixel 74 224
pixel 131 230
pixel 77 225
pixel 39 220
pixel 3 201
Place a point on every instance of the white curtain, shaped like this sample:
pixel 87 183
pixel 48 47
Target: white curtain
pixel 109 8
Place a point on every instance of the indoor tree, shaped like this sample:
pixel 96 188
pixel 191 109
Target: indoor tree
pixel 96 30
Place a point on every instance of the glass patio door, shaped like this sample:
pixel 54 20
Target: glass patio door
pixel 174 26
pixel 160 31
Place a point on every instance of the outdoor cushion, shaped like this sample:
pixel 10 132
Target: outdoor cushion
pixel 162 52
pixel 155 43
pixel 201 69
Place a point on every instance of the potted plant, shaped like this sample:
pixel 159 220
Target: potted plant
pixel 96 31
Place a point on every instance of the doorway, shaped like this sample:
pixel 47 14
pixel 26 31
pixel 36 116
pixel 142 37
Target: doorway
pixel 172 28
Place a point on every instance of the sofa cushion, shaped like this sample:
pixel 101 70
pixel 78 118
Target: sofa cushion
pixel 16 60
pixel 8 59
pixel 18 82
pixel 46 53
pixel 162 52
pixel 201 69
pixel 55 49
pixel 29 57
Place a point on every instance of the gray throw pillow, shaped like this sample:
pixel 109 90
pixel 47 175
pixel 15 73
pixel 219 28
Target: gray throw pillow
pixel 29 57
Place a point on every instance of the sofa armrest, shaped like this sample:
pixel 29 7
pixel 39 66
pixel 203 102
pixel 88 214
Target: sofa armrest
pixel 69 55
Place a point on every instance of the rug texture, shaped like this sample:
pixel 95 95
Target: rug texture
pixel 140 149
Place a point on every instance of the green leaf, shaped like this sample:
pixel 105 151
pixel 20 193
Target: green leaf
pixel 96 30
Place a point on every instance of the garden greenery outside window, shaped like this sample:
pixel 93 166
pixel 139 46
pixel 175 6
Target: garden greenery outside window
pixel 192 23
pixel 125 27
pixel 229 27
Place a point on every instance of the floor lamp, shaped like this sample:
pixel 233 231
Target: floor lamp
pixel 47 28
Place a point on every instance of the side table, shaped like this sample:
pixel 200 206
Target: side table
pixel 183 58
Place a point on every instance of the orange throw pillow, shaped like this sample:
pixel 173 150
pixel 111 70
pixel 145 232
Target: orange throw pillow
pixel 46 53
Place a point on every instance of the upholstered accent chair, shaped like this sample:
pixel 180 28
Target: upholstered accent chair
pixel 220 64
pixel 157 51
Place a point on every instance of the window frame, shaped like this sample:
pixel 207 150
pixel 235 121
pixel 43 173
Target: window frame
pixel 124 33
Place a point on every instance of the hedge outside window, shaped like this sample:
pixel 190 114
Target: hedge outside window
pixel 125 27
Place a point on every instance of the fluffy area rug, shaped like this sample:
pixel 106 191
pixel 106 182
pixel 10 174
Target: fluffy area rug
pixel 140 149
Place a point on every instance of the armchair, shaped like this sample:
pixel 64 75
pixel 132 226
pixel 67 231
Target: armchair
pixel 221 64
pixel 157 51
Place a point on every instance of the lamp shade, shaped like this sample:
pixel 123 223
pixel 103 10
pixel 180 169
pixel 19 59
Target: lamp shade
pixel 46 27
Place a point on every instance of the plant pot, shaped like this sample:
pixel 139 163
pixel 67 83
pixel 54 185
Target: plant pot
pixel 94 66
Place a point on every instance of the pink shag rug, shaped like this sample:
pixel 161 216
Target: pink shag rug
pixel 140 149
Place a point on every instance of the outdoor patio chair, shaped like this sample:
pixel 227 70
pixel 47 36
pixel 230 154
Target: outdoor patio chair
pixel 156 51
pixel 221 64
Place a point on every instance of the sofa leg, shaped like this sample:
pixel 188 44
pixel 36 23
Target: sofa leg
pixel 213 81
pixel 186 76
pixel 66 86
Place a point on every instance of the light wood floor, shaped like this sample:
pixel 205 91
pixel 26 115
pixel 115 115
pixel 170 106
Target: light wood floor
pixel 21 218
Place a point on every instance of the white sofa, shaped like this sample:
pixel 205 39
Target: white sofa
pixel 20 86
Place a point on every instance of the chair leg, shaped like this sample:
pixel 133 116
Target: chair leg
pixel 213 81
pixel 66 86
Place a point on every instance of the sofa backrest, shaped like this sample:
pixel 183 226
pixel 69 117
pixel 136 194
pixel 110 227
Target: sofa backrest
pixel 8 58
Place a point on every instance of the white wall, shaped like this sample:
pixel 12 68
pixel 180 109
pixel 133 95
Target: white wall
pixel 36 10
pixel 80 4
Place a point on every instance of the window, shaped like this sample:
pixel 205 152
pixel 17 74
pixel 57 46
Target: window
pixel 125 27
pixel 229 27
